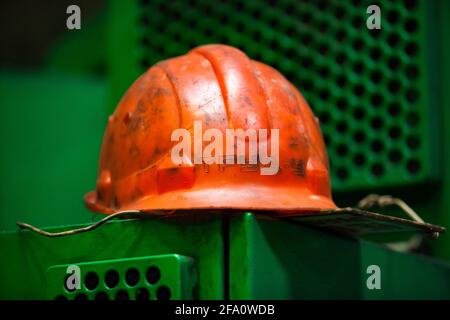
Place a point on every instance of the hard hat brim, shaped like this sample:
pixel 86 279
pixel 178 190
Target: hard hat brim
pixel 255 197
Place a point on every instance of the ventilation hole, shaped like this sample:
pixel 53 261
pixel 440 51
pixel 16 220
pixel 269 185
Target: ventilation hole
pixel 395 156
pixel 411 49
pixel 412 71
pixel 102 296
pixel 413 166
pixel 240 27
pixel 142 294
pixel 341 104
pixel 177 37
pixel 144 63
pixel 376 77
pixel 376 123
pixel 306 39
pixel 132 277
pixel 410 4
pixel 145 42
pixel 341 35
pixel 394 109
pixel 309 85
pixel 394 132
pixel 144 21
pixel 413 142
pixel 339 12
pixel 341 58
pixel 324 72
pixel 357 22
pixel 358 44
pixel 256 14
pixel 341 81
pixel 359 113
pixel 377 170
pixel 359 136
pixel 392 16
pixel 342 127
pixel 376 100
pixel 358 67
pixel 411 25
pixel 81 297
pixel 122 295
pixel 342 150
pixel 342 173
pixel 60 297
pixel 412 95
pixel 163 293
pixel 393 63
pixel 112 279
pixel 377 146
pixel 324 94
pixel 375 33
pixel 359 159
pixel 290 54
pixel 358 90
pixel 324 117
pixel 393 39
pixel 413 119
pixel 153 275
pixel 323 49
pixel 307 62
pixel 91 280
pixel 326 139
pixel 375 54
pixel 394 86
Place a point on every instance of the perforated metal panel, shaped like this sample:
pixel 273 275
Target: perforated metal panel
pixel 369 88
pixel 161 277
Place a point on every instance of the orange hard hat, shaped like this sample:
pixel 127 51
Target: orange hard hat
pixel 222 88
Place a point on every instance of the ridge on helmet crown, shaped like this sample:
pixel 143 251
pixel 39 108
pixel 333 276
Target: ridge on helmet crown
pixel 221 88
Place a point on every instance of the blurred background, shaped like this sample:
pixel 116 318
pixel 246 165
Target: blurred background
pixel 381 95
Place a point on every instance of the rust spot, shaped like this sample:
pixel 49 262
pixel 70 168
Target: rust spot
pixel 126 118
pixel 157 152
pixel 111 138
pixel 294 143
pixel 141 106
pixel 135 123
pixel 298 167
pixel 248 101
pixel 134 151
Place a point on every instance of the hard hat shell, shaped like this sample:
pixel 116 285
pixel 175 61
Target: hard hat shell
pixel 221 87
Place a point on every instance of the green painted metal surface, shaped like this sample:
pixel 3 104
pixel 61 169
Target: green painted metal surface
pixel 244 256
pixel 160 277
pixel 274 259
pixel 50 136
pixel 26 257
